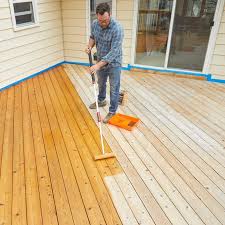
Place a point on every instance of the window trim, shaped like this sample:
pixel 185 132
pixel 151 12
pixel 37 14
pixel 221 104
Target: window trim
pixel 25 25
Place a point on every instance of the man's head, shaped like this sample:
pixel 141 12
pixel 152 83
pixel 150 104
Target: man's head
pixel 103 14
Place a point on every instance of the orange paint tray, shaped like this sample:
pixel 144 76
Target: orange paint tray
pixel 123 121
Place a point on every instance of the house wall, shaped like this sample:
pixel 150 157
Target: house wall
pixel 76 31
pixel 217 68
pixel 125 15
pixel 26 52
pixel 63 26
pixel 76 27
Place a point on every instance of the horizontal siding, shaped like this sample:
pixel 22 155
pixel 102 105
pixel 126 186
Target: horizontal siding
pixel 49 7
pixel 5 23
pixel 25 52
pixel 125 5
pixel 41 51
pixel 73 14
pixel 73 22
pixel 218 60
pixel 5 13
pixel 6 35
pixel 75 38
pixel 3 4
pixel 125 14
pixel 221 39
pixel 74 4
pixel 37 66
pixel 74 29
pixel 219 49
pixel 29 39
pixel 217 68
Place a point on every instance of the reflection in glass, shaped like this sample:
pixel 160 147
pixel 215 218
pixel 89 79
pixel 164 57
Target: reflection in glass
pixel 191 31
pixel 152 34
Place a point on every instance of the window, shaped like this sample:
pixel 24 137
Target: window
pixel 24 13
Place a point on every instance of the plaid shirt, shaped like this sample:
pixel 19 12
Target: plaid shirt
pixel 108 42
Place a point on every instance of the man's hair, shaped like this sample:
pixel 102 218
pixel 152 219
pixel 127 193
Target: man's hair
pixel 102 8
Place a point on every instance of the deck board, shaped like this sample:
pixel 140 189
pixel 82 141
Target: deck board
pixel 44 179
pixel 19 189
pixel 3 103
pixel 49 133
pixel 34 214
pixel 169 170
pixel 6 191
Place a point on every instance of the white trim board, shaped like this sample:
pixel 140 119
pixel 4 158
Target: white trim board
pixel 213 35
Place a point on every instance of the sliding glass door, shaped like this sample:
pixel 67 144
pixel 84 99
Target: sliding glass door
pixel 153 29
pixel 174 37
pixel 191 31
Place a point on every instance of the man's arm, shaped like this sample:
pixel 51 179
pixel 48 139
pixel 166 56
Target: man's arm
pixel 117 40
pixel 98 65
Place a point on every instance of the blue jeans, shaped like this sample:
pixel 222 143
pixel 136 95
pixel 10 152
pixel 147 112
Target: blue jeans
pixel 114 81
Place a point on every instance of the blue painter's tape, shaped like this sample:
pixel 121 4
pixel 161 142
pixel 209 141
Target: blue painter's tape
pixel 129 67
pixel 125 68
pixel 31 76
pixel 207 76
pixel 77 63
pixel 215 80
pixel 170 71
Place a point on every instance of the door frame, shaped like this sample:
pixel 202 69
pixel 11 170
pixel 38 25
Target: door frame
pixel 170 34
pixel 211 43
pixel 213 36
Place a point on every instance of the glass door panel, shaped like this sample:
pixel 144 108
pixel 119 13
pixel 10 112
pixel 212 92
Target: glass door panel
pixel 152 33
pixel 191 31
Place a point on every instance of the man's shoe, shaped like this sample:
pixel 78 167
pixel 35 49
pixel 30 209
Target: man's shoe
pixel 108 117
pixel 100 104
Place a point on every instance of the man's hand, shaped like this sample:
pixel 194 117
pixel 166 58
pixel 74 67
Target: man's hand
pixel 94 68
pixel 90 45
pixel 88 49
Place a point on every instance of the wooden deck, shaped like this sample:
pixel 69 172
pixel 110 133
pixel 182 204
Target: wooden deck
pixel 170 169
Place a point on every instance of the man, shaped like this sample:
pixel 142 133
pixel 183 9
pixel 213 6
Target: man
pixel 107 35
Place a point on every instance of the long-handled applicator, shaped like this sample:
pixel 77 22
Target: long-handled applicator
pixel 104 155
